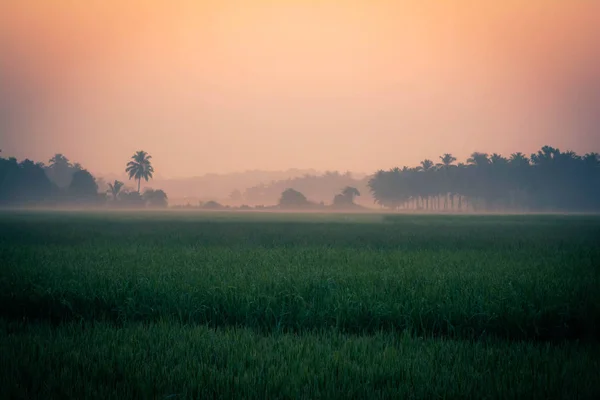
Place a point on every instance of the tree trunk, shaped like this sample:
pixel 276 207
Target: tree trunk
pixel 139 184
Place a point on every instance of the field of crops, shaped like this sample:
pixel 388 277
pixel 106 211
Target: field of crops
pixel 181 305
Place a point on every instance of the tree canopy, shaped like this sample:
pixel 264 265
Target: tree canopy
pixel 549 180
pixel 346 198
pixel 83 187
pixel 28 183
pixel 156 198
pixel 291 198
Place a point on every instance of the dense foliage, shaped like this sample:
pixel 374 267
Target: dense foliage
pixel 549 180
pixel 61 183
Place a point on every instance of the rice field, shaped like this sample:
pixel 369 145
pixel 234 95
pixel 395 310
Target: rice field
pixel 255 305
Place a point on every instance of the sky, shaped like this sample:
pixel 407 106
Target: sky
pixel 218 86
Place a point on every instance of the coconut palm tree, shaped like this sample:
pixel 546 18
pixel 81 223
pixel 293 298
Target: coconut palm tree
pixel 519 160
pixel 478 159
pixel 545 156
pixel 519 166
pixel 551 179
pixel 140 167
pixel 115 189
pixel 447 160
pixel 426 181
pixel 426 165
pixel 497 159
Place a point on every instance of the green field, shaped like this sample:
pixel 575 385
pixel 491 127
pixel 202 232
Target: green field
pixel 178 305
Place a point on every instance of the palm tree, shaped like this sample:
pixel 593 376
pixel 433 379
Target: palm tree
pixel 115 189
pixel 426 184
pixel 461 184
pixel 497 159
pixel 544 156
pixel 551 179
pixel 478 173
pixel 140 168
pixel 447 160
pixel 478 159
pixel 519 160
pixel 520 180
pixel 426 165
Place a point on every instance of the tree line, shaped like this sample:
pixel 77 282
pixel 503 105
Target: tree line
pixel 62 183
pixel 549 180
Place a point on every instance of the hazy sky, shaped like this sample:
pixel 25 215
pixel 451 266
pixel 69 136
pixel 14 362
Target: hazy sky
pixel 223 85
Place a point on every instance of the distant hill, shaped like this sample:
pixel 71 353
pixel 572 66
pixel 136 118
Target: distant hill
pixel 316 188
pixel 219 187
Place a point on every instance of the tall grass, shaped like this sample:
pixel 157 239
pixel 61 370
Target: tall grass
pixel 183 305
pixel 165 360
pixel 532 278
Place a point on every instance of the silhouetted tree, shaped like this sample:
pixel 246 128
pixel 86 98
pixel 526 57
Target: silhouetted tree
pixel 551 180
pixel 447 160
pixel 346 198
pixel 156 198
pixel 350 193
pixel 291 198
pixel 140 167
pixel 24 183
pixel 115 189
pixel 446 169
pixel 131 199
pixel 212 205
pixel 60 170
pixel 83 188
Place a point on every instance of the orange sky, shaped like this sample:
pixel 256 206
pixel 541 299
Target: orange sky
pixel 223 85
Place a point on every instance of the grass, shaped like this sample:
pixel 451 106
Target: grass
pixel 299 305
pixel 165 360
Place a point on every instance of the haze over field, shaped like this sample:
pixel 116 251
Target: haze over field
pixel 223 86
